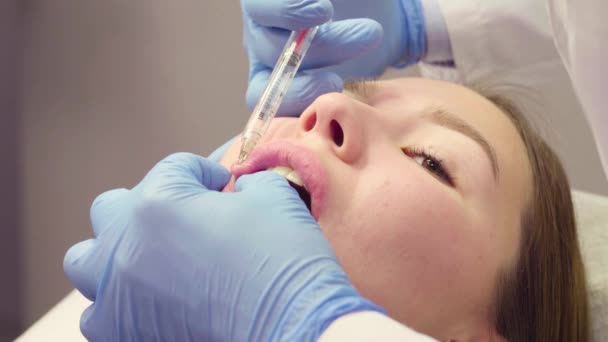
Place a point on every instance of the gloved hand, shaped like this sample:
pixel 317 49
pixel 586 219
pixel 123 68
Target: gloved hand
pixel 363 40
pixel 174 260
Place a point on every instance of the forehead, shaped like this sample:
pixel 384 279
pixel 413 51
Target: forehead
pixel 417 95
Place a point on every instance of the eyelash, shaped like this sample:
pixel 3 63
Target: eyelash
pixel 438 171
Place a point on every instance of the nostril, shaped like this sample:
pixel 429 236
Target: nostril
pixel 336 133
pixel 310 122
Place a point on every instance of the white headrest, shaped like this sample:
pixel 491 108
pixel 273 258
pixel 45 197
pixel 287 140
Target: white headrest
pixel 592 222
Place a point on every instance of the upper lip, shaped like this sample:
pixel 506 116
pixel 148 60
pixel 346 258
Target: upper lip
pixel 300 159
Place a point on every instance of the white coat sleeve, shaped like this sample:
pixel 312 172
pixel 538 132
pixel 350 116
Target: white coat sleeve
pixel 368 326
pixel 490 37
pixel 581 36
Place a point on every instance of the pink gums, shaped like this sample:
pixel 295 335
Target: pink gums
pixel 280 153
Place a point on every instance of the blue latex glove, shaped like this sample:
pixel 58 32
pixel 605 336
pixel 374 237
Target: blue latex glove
pixel 219 152
pixel 363 40
pixel 174 260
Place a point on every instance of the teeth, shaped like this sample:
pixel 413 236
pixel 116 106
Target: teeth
pixel 295 178
pixel 290 174
pixel 282 170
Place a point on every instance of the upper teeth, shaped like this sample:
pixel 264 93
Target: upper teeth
pixel 289 173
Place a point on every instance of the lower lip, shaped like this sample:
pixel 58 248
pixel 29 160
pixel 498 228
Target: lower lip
pixel 230 186
pixel 281 153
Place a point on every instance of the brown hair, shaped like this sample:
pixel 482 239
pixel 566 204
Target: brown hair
pixel 543 298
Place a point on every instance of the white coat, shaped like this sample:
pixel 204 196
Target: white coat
pixel 527 43
pixel 581 36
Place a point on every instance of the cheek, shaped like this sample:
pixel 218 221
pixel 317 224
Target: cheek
pixel 400 232
pixel 397 219
pixel 394 217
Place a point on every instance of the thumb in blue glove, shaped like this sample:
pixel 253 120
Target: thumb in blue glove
pixel 177 177
pixel 363 40
pixel 175 260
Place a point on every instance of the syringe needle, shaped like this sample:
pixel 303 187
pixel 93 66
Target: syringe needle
pixel 248 143
pixel 243 155
pixel 280 79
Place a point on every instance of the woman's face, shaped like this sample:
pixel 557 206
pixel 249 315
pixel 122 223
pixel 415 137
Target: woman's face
pixel 419 186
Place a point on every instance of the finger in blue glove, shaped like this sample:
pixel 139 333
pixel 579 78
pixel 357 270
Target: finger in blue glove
pixel 365 38
pixel 189 263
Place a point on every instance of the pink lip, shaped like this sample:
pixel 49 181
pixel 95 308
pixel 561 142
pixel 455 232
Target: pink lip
pixel 303 161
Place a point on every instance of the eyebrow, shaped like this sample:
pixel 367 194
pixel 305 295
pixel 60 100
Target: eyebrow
pixel 438 116
pixel 451 121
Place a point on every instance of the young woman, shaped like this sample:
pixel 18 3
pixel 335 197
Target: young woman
pixel 442 205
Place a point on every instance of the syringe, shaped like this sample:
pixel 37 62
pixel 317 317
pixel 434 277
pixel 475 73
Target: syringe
pixel 284 72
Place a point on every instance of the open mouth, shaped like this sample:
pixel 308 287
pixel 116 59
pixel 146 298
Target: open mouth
pixel 304 195
pixel 296 182
pixel 310 180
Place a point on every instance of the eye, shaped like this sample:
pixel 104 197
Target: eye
pixel 433 164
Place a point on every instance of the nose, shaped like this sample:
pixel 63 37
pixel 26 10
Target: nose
pixel 337 120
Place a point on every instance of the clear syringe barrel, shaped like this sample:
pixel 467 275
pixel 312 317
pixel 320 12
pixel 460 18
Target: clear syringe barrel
pixel 284 72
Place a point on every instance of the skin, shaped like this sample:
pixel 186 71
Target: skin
pixel 426 248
